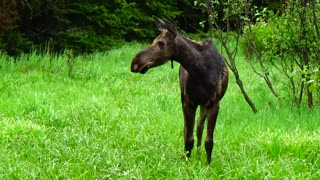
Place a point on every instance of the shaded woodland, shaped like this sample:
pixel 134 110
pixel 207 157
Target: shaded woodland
pixel 89 26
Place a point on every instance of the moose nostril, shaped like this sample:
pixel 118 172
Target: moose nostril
pixel 134 67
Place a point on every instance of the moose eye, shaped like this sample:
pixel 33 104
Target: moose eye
pixel 161 44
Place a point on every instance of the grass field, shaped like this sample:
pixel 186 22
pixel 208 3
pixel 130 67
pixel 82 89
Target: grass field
pixel 102 121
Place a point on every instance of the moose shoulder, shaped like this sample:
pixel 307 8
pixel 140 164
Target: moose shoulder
pixel 203 78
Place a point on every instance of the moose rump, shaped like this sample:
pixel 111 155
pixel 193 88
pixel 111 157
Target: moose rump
pixel 203 77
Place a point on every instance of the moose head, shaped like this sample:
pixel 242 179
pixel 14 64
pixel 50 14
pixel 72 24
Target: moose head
pixel 160 51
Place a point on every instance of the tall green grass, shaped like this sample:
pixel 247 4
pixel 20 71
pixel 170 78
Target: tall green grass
pixel 102 121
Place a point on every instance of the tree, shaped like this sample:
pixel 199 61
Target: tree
pixel 8 14
pixel 233 17
pixel 289 42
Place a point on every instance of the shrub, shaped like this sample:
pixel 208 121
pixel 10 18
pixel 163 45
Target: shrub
pixel 290 43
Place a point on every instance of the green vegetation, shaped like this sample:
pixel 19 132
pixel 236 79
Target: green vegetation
pixel 91 25
pixel 94 119
pixel 289 43
pixel 86 116
pixel 83 25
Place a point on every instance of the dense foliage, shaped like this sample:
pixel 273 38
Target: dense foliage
pixel 88 26
pixel 289 42
pixel 84 25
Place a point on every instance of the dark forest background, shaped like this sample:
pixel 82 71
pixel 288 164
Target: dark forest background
pixel 93 25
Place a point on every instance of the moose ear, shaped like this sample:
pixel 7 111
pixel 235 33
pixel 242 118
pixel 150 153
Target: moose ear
pixel 166 24
pixel 170 27
pixel 160 24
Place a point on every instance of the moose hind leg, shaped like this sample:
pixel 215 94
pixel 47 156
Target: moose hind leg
pixel 212 119
pixel 200 126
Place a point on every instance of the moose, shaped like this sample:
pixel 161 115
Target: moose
pixel 203 77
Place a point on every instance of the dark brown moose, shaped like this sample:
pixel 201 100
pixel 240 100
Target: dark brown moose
pixel 203 78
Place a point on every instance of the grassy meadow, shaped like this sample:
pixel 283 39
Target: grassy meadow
pixel 97 120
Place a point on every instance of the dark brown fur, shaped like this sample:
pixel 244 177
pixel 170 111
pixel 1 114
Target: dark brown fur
pixel 203 78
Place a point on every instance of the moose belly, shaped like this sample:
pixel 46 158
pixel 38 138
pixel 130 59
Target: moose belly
pixel 200 94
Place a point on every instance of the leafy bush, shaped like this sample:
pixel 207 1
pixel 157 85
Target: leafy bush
pixel 259 39
pixel 290 43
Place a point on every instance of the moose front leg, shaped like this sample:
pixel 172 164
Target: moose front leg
pixel 189 118
pixel 212 119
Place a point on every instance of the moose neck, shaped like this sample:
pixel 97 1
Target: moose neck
pixel 187 53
